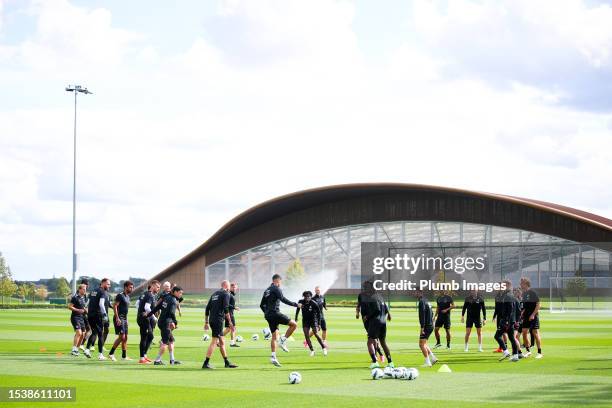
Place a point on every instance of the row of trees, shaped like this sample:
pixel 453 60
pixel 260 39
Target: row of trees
pixel 59 287
pixel 28 290
pixel 7 286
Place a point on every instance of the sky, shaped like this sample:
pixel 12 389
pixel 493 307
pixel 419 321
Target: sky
pixel 202 109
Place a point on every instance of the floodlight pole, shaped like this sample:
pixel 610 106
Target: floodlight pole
pixel 75 89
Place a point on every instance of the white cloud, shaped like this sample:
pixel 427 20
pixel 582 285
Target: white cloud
pixel 564 47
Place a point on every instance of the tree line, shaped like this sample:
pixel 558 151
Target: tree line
pixel 41 289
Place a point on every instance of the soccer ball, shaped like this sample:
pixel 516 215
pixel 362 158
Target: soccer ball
pixel 206 337
pixel 414 373
pixel 401 373
pixel 239 339
pixel 267 333
pixel 377 374
pixel 388 372
pixel 255 337
pixel 295 378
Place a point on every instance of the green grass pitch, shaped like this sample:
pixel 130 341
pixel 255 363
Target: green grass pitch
pixel 576 369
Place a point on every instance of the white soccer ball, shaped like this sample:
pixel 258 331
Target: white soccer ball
pixel 388 372
pixel 414 373
pixel 255 337
pixel 377 374
pixel 401 373
pixel 206 337
pixel 267 333
pixel 239 339
pixel 295 378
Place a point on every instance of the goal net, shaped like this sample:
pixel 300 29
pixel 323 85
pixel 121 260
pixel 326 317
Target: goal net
pixel 580 294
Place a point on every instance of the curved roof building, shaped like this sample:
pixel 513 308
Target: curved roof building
pixel 324 227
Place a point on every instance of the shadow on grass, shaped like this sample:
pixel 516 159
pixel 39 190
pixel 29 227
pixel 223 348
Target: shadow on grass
pixel 569 394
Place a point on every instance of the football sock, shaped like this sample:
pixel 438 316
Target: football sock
pixel 112 352
pixel 373 357
pixel 123 353
pixel 172 355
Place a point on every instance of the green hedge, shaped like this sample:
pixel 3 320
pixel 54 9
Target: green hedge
pixel 32 306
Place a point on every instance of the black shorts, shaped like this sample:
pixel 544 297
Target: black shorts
pixel 310 324
pixel 275 319
pixel 122 327
pixel 377 330
pixel 426 332
pixel 78 323
pixel 233 320
pixel 471 322
pixel 365 324
pixel 531 324
pixel 443 320
pixel 216 328
pixel 166 333
pixel 323 324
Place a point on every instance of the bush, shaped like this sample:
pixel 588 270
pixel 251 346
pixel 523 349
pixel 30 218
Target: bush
pixel 32 306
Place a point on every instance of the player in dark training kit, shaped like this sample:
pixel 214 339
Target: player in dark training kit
pixel 426 324
pixel 311 318
pixel 376 319
pixel 506 320
pixel 270 305
pixel 146 324
pixel 320 299
pixel 218 313
pixel 87 333
pixel 98 315
pixel 499 296
pixel 530 317
pixel 443 318
pixel 167 323
pixel 474 304
pixel 232 308
pixel 363 299
pixel 77 306
pixel 120 309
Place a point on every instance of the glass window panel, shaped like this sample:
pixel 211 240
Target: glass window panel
pixel 418 232
pixel 474 233
pixel 216 273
